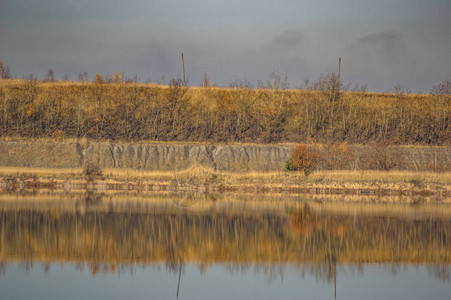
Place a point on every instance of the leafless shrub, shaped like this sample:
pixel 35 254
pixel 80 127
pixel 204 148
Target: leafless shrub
pixel 362 88
pixel 327 84
pixel 4 71
pixel 83 77
pixel 92 171
pixel 117 78
pixel 98 79
pixel 238 83
pixel 274 82
pixel 337 156
pixel 31 77
pixel 50 76
pixel 398 89
pixel 380 156
pixel 442 88
pixel 206 80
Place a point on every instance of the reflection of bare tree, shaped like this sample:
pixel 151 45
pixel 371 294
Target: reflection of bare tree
pixel 441 272
pixel 271 271
pixel 237 268
pixel 188 199
pixel 203 268
pixel 46 267
pixel 92 198
pixel 172 267
pixel 395 269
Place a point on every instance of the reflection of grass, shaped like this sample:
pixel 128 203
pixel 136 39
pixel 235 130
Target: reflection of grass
pixel 151 236
pixel 228 203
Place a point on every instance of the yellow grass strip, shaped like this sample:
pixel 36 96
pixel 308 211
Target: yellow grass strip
pixel 280 177
pixel 40 172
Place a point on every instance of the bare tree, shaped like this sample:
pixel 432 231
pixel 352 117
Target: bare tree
pixel 399 90
pixel 206 80
pixel 305 84
pixel 274 81
pixel 4 71
pixel 83 76
pixel 98 79
pixel 238 83
pixel 31 77
pixel 117 78
pixel 442 88
pixel 50 76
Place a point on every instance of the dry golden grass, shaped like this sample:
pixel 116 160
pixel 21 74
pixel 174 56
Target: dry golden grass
pixel 69 83
pixel 218 114
pixel 199 175
pixel 39 172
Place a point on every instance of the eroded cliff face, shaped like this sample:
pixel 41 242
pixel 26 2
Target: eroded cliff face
pixel 147 156
pixel 38 153
pixel 141 156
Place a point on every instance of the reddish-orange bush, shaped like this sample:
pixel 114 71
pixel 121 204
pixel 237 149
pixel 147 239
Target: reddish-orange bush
pixel 304 158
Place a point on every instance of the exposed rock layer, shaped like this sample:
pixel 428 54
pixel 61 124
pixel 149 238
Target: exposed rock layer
pixel 178 156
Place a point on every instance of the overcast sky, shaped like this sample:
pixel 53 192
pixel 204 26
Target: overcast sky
pixel 381 42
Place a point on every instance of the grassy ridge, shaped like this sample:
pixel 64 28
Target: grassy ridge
pixel 119 111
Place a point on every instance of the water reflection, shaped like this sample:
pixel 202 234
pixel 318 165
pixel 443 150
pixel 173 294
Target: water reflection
pixel 110 237
pixel 154 235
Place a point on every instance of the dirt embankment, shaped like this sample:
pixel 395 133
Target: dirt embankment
pixel 141 156
pixel 40 153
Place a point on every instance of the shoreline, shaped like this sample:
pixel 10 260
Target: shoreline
pixel 421 187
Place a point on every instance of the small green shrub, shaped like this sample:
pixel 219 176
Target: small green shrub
pixel 289 167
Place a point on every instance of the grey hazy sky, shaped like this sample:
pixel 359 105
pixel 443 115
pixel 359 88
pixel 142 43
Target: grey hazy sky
pixel 381 42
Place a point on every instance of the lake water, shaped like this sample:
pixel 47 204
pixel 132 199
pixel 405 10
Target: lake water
pixel 221 247
pixel 222 281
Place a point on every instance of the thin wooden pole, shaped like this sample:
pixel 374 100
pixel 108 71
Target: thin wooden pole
pixel 339 71
pixel 183 68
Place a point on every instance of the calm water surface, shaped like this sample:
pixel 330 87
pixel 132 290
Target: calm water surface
pixel 102 248
pixel 219 281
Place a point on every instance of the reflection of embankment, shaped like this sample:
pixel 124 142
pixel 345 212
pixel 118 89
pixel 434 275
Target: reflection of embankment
pixel 427 185
pixel 154 236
